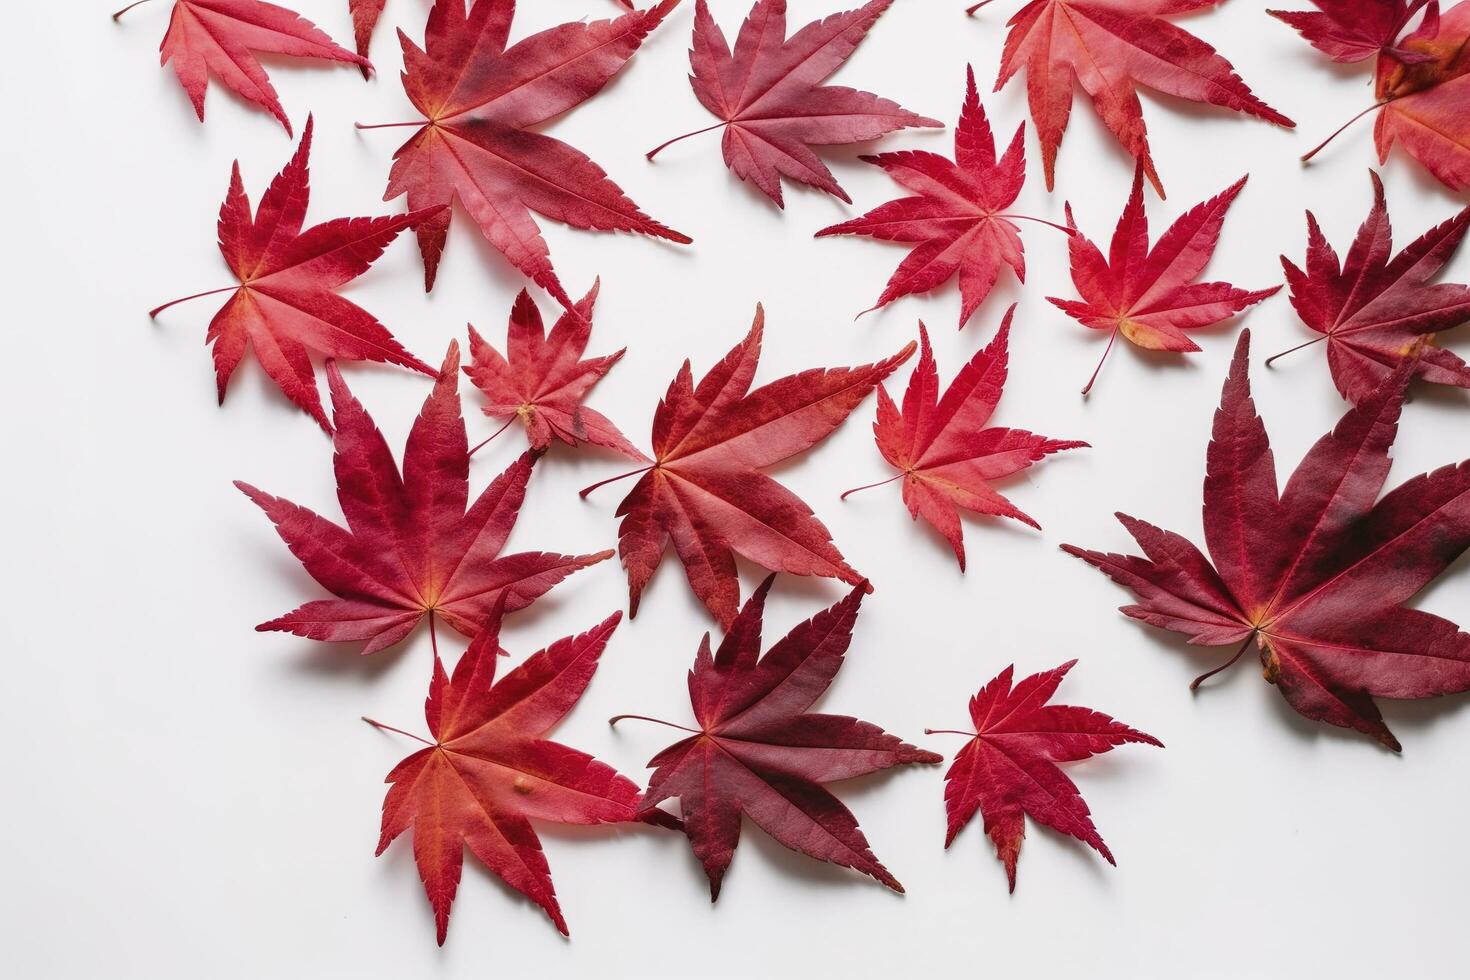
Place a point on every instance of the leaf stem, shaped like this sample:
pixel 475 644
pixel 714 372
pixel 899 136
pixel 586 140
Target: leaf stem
pixel 948 731
pixel 136 3
pixel 184 299
pixel 657 721
pixel 433 635
pixel 1318 148
pixel 1106 351
pixel 1292 350
pixel 397 731
pixel 493 435
pixel 870 486
pixel 667 143
pixel 1194 684
pixel 359 125
pixel 970 11
pixel 1069 232
pixel 612 479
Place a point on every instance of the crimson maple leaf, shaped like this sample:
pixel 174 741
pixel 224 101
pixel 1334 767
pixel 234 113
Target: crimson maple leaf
pixel 365 14
pixel 478 98
pixel 286 306
pixel 956 218
pixel 1008 770
pixel 770 95
pixel 490 770
pixel 222 37
pixel 1110 47
pixel 945 455
pixel 1422 78
pixel 760 753
pixel 1373 311
pixel 1315 576
pixel 704 490
pixel 1149 294
pixel 542 379
pixel 411 548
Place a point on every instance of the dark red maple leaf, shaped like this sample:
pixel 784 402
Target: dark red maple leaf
pixel 1375 312
pixel 490 770
pixel 955 219
pixel 704 490
pixel 286 306
pixel 1008 770
pixel 770 95
pixel 758 752
pixel 542 379
pixel 411 548
pixel 479 99
pixel 1315 576
pixel 222 37
pixel 945 455
pixel 1110 48
pixel 1149 294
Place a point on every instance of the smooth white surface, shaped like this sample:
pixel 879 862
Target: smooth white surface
pixel 185 797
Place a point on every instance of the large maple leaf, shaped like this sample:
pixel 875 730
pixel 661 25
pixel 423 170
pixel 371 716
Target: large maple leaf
pixel 490 770
pixel 1110 48
pixel 222 37
pixel 770 96
pixel 1315 576
pixel 1149 294
pixel 945 455
pixel 479 98
pixel 704 490
pixel 286 306
pixel 760 753
pixel 542 380
pixel 956 219
pixel 1374 311
pixel 1008 770
pixel 414 546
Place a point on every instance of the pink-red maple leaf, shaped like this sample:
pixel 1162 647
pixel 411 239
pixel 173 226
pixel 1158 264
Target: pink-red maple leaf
pixel 414 546
pixel 704 490
pixel 1316 576
pixel 1008 770
pixel 770 96
pixel 946 457
pixel 1110 48
pixel 286 306
pixel 490 770
pixel 1149 294
pixel 956 218
pixel 479 99
pixel 542 379
pixel 1374 311
pixel 759 753
pixel 222 37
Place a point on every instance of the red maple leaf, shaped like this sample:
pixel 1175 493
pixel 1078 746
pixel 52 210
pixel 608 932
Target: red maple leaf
pixel 542 379
pixel 411 548
pixel 1316 575
pixel 945 455
pixel 365 14
pixel 1422 78
pixel 1110 47
pixel 760 753
pixel 286 306
pixel 479 99
pixel 1008 770
pixel 222 37
pixel 704 490
pixel 956 218
pixel 1375 312
pixel 490 771
pixel 770 95
pixel 1149 294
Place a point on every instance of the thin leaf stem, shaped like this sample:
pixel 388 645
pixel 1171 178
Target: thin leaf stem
pixel 136 3
pixel 970 11
pixel 1095 371
pixel 948 731
pixel 493 435
pixel 1318 148
pixel 612 479
pixel 184 299
pixel 870 486
pixel 1194 684
pixel 433 635
pixel 359 125
pixel 397 731
pixel 1069 232
pixel 657 721
pixel 1292 350
pixel 667 143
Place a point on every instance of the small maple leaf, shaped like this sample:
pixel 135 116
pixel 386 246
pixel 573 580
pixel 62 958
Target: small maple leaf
pixel 490 771
pixel 542 379
pixel 704 490
pixel 771 99
pixel 758 752
pixel 365 14
pixel 956 218
pixel 286 306
pixel 1375 312
pixel 945 455
pixel 1315 576
pixel 411 547
pixel 479 98
pixel 1008 770
pixel 222 37
pixel 1149 294
pixel 1110 47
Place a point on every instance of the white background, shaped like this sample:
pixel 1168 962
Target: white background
pixel 186 797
